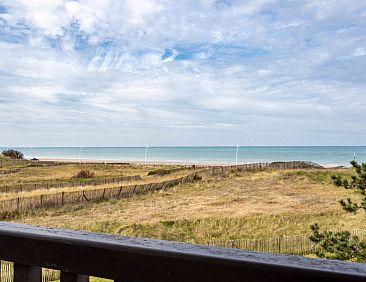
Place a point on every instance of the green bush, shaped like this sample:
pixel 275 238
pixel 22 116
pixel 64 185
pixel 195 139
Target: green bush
pixel 340 244
pixel 159 171
pixel 13 154
pixel 84 174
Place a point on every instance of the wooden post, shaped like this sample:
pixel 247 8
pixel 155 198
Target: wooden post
pixel 27 273
pixel 73 277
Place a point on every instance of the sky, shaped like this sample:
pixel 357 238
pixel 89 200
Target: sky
pixel 190 72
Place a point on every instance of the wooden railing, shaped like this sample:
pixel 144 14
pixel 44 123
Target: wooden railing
pixel 80 254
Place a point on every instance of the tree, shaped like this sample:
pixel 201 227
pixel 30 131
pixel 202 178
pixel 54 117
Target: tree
pixel 340 244
pixel 13 154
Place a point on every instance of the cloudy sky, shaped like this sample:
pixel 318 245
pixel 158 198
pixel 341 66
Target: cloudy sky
pixel 190 72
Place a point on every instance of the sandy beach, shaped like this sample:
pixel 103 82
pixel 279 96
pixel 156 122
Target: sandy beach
pixel 134 162
pixel 156 163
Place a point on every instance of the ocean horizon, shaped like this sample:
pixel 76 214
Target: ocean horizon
pixel 324 155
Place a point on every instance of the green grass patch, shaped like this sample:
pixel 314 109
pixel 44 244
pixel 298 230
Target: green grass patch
pixel 159 171
pixel 250 227
pixel 319 176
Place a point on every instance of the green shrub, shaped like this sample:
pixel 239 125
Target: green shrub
pixel 84 174
pixel 340 244
pixel 13 154
pixel 159 171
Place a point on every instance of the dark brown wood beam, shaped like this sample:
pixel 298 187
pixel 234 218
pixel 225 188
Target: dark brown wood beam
pixel 27 273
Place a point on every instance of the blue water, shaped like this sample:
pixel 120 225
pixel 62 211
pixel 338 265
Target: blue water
pixel 325 155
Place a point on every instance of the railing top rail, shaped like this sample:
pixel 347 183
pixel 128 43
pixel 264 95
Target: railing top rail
pixel 138 259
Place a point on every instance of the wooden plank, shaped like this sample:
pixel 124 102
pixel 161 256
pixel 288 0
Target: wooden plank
pixel 72 277
pixel 27 273
pixel 136 259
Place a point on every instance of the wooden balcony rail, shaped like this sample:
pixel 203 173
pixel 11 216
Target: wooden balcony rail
pixel 80 254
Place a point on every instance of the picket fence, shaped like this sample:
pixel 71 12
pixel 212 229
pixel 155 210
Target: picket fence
pixel 264 166
pixel 21 204
pixel 7 273
pixel 299 245
pixel 9 171
pixel 22 187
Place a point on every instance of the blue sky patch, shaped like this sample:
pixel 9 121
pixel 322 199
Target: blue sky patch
pixel 3 10
pixel 212 52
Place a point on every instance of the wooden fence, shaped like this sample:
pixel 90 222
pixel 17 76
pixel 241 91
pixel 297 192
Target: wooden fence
pixel 216 170
pixel 79 255
pixel 20 204
pixel 9 171
pixel 7 273
pixel 293 245
pixel 48 185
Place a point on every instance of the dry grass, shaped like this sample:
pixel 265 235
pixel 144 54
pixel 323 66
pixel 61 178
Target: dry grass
pixel 145 179
pixel 66 172
pixel 245 205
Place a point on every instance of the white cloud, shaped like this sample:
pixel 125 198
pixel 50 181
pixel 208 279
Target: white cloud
pixel 236 68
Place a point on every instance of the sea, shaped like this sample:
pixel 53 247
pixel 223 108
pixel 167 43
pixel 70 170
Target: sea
pixel 324 155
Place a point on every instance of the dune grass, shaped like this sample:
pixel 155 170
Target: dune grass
pixel 238 206
pixel 144 180
pixel 36 172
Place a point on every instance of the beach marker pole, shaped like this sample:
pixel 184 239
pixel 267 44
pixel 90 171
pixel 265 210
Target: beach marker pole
pixel 81 148
pixel 236 156
pixel 146 153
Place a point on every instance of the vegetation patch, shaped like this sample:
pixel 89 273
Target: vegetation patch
pixel 85 174
pixel 13 154
pixel 340 244
pixel 159 171
pixel 318 176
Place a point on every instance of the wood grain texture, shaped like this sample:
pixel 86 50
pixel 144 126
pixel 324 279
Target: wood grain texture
pixel 137 259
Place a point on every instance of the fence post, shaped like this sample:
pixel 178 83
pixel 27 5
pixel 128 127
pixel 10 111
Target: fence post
pixel 279 244
pixel 72 277
pixel 27 273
